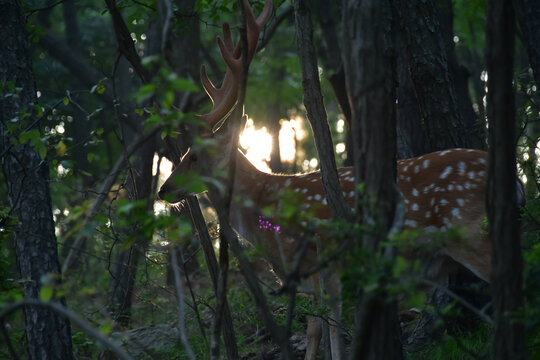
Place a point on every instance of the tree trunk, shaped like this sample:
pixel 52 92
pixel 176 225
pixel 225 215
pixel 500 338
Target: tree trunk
pixel 460 76
pixel 502 207
pixel 316 111
pixel 27 177
pixel 333 64
pixel 429 71
pixel 273 117
pixel 528 15
pixel 369 59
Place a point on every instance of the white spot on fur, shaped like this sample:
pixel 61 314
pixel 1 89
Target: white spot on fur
pixel 415 192
pixel 442 153
pixel 446 172
pixel 471 175
pixel 417 169
pixel 460 202
pixel 414 207
pixel 461 167
pixel 318 197
pixel 428 214
pixel 425 164
pixel 455 213
pixel 411 223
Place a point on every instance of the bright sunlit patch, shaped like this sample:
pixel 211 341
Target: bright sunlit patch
pixel 258 145
pixel 484 76
pixel 165 167
pixel 62 171
pixel 340 148
pixel 456 39
pixel 60 128
pixel 165 170
pixel 340 126
pixel 160 207
pixel 287 140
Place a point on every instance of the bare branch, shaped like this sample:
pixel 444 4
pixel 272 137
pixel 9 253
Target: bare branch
pixel 73 317
pixel 102 195
pixel 181 309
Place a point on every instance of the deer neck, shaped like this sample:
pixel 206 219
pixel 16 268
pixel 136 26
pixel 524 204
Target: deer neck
pixel 250 194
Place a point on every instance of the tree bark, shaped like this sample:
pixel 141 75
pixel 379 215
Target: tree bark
pixel 528 15
pixel 429 71
pixel 369 63
pixel 502 207
pixel 27 176
pixel 316 111
pixel 473 127
pixel 330 55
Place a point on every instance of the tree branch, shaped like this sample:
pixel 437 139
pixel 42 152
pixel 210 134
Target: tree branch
pixel 73 317
pixel 104 190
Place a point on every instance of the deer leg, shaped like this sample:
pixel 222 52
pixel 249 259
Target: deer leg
pixel 333 287
pixel 313 336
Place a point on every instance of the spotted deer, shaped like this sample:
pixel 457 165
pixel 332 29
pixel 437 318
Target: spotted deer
pixel 440 190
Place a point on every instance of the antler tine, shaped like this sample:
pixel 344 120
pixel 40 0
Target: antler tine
pixel 255 26
pixel 225 97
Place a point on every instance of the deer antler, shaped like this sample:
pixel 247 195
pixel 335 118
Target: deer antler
pixel 225 97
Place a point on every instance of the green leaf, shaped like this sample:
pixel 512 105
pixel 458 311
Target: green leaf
pixel 145 92
pixel 90 157
pixel 33 135
pixel 101 89
pixel 66 101
pixel 106 328
pixel 180 84
pixel 46 293
pixel 42 150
